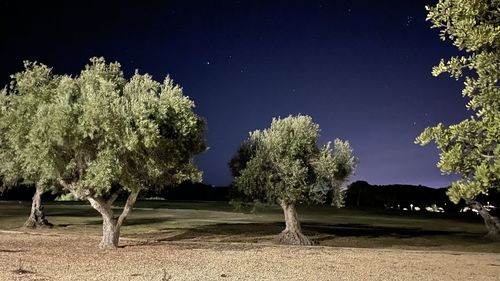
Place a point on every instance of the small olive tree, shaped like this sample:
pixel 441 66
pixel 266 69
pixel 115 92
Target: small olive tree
pixel 471 147
pixel 28 91
pixel 283 164
pixel 100 134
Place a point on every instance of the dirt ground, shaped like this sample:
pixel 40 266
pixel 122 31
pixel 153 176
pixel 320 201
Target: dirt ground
pixel 72 257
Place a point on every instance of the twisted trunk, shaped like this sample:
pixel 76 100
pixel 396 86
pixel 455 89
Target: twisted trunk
pixel 37 216
pixel 110 232
pixel 492 223
pixel 292 234
pixel 110 225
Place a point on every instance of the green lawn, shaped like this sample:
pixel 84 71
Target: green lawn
pixel 217 222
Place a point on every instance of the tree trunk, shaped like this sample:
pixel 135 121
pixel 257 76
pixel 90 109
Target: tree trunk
pixel 492 223
pixel 292 234
pixel 110 233
pixel 37 216
pixel 110 225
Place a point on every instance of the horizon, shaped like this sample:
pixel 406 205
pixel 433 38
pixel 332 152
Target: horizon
pixel 349 183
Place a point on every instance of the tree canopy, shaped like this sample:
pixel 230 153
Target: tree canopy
pixel 470 148
pixel 28 92
pixel 98 133
pixel 284 163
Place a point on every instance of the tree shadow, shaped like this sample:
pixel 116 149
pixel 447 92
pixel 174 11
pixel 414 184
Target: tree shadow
pixel 140 221
pixel 11 251
pixel 242 230
pixel 133 221
pixel 256 231
pixel 373 231
pixel 84 213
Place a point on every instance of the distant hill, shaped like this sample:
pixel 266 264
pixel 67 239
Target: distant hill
pixel 362 194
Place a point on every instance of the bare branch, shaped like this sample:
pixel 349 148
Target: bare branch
pixel 489 157
pixel 65 185
pixel 101 206
pixel 113 197
pixel 128 207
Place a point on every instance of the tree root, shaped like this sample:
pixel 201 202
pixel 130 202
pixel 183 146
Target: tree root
pixel 493 236
pixel 37 224
pixel 288 237
pixel 107 246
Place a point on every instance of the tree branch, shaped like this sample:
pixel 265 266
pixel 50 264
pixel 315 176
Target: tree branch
pixel 113 197
pixel 128 207
pixel 101 206
pixel 66 186
pixel 489 157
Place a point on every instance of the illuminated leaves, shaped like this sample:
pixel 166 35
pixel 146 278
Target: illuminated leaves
pixel 285 163
pixel 98 129
pixel 470 148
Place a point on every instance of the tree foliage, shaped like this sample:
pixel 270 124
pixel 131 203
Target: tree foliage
pixel 98 133
pixel 20 103
pixel 284 163
pixel 470 148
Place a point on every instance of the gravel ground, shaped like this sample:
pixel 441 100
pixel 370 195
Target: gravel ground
pixel 66 257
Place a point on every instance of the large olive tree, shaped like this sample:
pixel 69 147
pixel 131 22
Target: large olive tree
pixel 28 91
pixel 471 147
pixel 100 134
pixel 283 164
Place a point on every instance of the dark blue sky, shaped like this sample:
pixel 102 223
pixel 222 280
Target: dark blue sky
pixel 361 69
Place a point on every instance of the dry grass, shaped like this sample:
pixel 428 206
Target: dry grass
pixel 216 222
pixel 207 241
pixel 73 257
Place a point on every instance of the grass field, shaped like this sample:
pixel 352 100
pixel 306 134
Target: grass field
pixel 156 221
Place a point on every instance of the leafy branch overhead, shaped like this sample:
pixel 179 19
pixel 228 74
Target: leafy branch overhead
pixel 470 148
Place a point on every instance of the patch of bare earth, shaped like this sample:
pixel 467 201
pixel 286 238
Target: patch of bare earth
pixel 66 257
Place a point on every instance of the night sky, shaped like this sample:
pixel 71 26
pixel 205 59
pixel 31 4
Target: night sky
pixel 361 69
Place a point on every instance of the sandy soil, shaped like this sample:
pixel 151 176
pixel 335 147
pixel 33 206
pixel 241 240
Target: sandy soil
pixel 66 257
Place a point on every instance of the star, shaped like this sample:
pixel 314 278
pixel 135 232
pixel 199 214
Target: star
pixel 409 20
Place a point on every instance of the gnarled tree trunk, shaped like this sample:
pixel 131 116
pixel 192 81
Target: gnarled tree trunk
pixel 492 223
pixel 110 232
pixel 292 234
pixel 37 216
pixel 111 225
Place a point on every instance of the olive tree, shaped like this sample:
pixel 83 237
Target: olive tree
pixel 100 134
pixel 470 148
pixel 284 164
pixel 19 104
